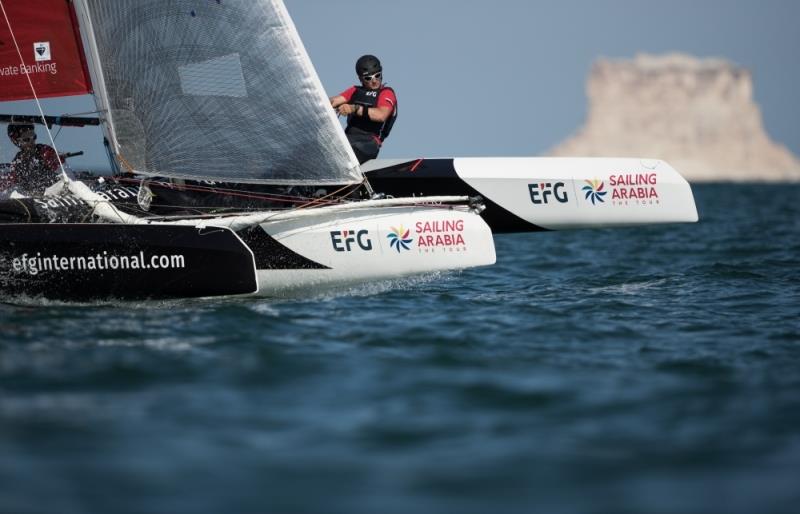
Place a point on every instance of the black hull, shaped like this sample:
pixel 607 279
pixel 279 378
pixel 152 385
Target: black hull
pixel 88 262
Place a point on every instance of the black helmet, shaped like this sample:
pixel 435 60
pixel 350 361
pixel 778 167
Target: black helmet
pixel 367 65
pixel 15 129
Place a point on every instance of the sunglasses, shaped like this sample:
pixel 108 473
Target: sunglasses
pixel 367 78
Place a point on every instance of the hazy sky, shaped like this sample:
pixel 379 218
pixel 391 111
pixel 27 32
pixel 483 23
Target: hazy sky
pixel 507 77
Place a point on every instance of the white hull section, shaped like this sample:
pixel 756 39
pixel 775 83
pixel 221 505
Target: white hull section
pixel 559 193
pixel 372 244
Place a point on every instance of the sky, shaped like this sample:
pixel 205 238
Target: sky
pixel 507 77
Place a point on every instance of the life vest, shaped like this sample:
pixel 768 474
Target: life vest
pixel 369 98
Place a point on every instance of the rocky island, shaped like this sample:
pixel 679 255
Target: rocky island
pixel 696 114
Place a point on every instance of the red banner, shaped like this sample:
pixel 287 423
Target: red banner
pixel 52 53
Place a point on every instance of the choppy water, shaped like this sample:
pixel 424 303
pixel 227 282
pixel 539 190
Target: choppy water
pixel 638 370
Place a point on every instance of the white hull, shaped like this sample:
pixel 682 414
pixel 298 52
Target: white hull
pixel 377 244
pixel 265 254
pixel 526 194
pixel 561 193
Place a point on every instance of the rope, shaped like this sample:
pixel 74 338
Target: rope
pixel 125 163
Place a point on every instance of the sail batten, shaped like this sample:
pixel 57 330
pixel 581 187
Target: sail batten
pixel 215 91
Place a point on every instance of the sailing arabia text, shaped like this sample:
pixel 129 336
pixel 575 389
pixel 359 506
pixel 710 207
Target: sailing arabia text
pixel 444 233
pixel 634 186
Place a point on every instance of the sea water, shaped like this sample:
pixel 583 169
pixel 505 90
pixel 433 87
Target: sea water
pixel 652 369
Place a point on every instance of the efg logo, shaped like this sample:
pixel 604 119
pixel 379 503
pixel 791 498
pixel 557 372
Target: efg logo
pixel 343 240
pixel 541 192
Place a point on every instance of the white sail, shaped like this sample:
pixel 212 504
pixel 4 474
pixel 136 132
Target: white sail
pixel 213 90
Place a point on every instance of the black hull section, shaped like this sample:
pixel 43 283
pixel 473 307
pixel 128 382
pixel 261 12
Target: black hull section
pixel 90 262
pixel 433 177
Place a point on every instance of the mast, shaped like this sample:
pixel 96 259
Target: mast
pixel 84 26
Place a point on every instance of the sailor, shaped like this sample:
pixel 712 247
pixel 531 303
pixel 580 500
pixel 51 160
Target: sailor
pixel 371 109
pixel 36 166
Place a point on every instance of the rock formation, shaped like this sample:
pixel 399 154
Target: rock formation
pixel 696 114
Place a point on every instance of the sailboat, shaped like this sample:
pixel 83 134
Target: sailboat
pixel 206 91
pixel 213 117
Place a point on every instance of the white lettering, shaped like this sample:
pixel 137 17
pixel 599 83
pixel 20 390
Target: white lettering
pixel 9 70
pixel 34 265
pixel 38 67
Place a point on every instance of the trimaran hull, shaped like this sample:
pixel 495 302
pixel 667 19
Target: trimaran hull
pixel 327 247
pixel 530 194
pixel 99 262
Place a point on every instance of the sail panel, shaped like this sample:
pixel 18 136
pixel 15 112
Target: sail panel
pixel 51 50
pixel 216 90
pixel 221 76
